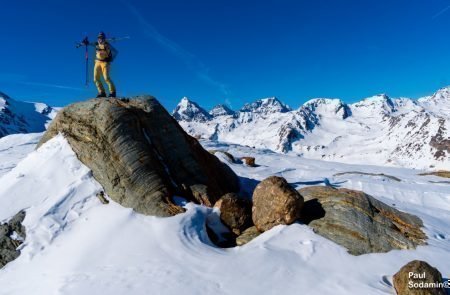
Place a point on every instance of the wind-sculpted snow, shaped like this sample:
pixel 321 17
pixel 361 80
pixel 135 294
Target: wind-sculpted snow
pixel 377 130
pixel 77 245
pixel 15 147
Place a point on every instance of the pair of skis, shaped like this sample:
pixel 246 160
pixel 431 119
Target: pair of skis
pixel 85 43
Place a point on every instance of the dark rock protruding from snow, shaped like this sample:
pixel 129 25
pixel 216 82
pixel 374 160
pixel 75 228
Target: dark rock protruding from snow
pixel 12 235
pixel 140 155
pixel 359 222
pixel 235 212
pixel 422 276
pixel 247 235
pixel 188 111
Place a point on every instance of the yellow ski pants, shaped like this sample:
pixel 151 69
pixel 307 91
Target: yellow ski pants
pixel 102 68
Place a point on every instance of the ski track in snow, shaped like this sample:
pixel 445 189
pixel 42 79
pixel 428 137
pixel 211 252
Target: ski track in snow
pixel 76 245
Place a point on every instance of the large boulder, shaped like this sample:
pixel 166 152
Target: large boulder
pixel 140 155
pixel 235 212
pixel 418 278
pixel 359 222
pixel 275 202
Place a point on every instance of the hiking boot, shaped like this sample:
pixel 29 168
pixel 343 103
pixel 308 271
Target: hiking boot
pixel 112 94
pixel 102 94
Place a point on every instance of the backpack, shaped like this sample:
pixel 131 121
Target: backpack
pixel 111 53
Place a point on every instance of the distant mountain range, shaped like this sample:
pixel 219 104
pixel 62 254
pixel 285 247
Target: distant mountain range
pixel 23 117
pixel 377 130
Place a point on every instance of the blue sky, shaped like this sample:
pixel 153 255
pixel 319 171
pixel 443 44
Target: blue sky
pixel 229 51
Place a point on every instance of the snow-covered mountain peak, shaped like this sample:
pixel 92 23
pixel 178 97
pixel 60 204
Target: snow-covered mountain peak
pixel 329 107
pixel 373 106
pixel 23 117
pixel 221 110
pixel 439 102
pixel 188 110
pixel 444 93
pixel 268 105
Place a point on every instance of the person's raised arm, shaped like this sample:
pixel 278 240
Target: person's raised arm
pixel 87 43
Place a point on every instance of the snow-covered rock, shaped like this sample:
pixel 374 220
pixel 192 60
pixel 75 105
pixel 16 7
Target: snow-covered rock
pixel 23 117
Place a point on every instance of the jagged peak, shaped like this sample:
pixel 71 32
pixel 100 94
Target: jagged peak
pixel 266 105
pixel 377 98
pixel 221 110
pixel 442 94
pixel 445 89
pixel 188 110
pixel 380 102
pixel 439 102
pixel 324 100
pixel 328 106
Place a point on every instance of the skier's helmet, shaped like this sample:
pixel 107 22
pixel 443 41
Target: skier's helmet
pixel 101 35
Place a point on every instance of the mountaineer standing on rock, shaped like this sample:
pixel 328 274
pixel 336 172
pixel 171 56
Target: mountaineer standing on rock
pixel 104 55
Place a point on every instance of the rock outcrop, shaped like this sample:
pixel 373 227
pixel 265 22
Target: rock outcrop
pixel 440 173
pixel 247 235
pixel 12 235
pixel 358 221
pixel 275 202
pixel 418 278
pixel 140 155
pixel 235 212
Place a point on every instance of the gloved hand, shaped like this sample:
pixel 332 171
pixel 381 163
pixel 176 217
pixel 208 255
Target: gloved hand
pixel 85 41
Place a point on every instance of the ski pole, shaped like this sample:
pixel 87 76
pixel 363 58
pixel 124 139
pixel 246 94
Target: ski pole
pixel 87 64
pixel 85 43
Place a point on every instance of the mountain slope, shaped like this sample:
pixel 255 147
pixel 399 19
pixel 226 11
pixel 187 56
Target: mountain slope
pixel 23 117
pixel 376 130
